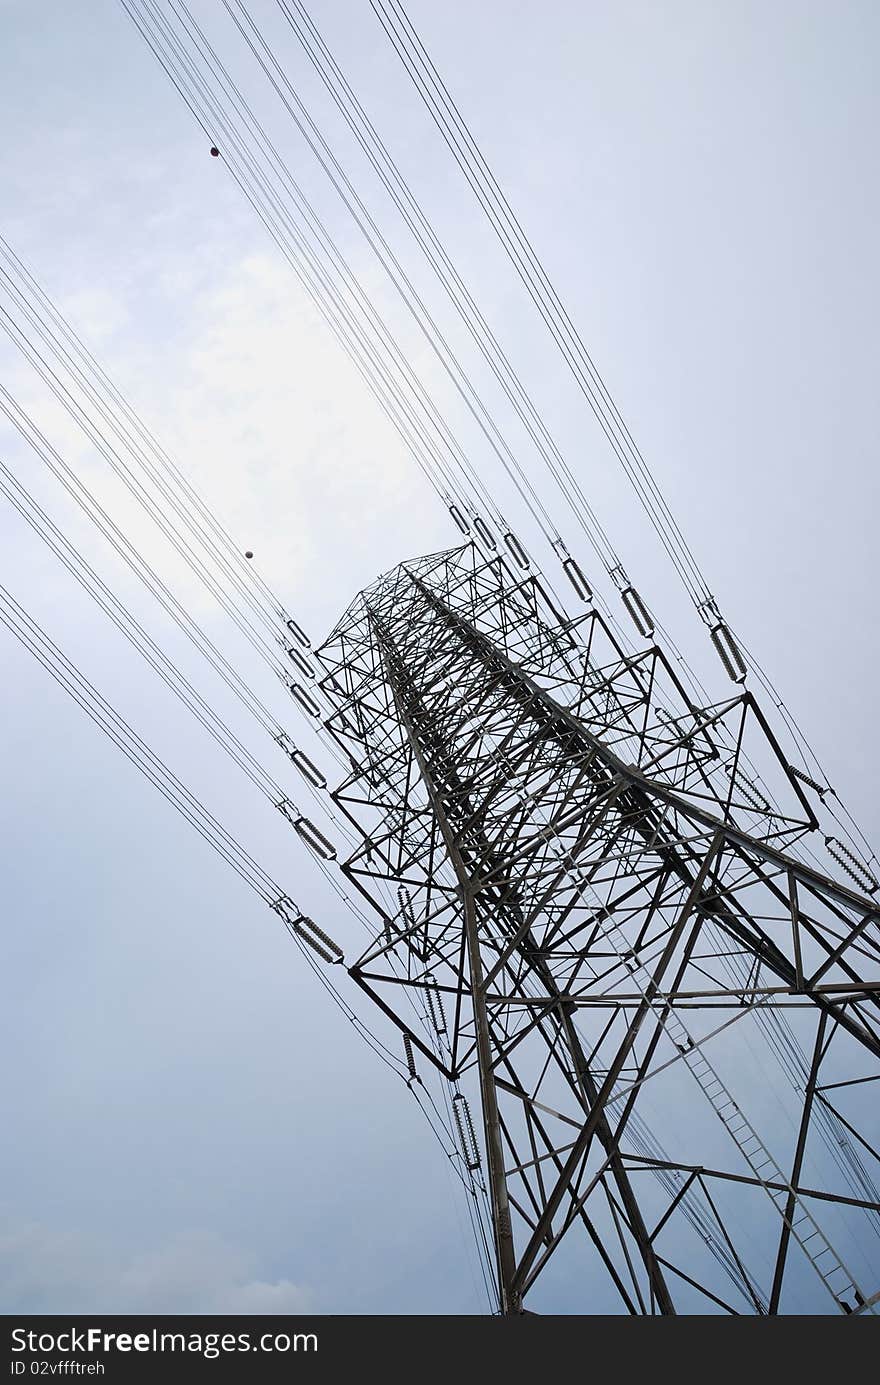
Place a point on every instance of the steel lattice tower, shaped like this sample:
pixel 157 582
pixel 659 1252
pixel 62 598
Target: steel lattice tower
pixel 598 922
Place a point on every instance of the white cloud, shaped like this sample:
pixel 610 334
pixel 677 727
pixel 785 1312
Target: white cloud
pixel 259 1297
pixel 99 315
pixel 46 1270
pixel 268 419
pixel 261 411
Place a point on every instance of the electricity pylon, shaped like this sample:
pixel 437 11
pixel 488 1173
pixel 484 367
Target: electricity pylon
pixel 595 911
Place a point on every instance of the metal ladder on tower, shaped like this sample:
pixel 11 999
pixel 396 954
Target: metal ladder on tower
pixel 837 1278
pixel 831 1269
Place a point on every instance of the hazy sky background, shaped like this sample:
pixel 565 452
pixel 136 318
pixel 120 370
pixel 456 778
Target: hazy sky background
pixel 190 1124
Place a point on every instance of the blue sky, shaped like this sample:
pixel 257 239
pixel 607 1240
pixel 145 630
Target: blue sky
pixel 192 1125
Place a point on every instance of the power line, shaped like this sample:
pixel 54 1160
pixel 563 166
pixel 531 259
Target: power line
pixel 324 272
pixel 86 696
pixel 122 618
pixel 314 778
pixel 389 174
pixel 67 675
pixel 111 410
pixel 458 137
pixel 214 115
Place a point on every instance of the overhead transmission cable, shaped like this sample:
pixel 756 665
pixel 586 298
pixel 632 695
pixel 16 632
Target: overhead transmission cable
pixel 181 70
pixel 320 847
pixel 459 140
pixel 166 46
pixel 359 123
pixel 172 46
pixel 304 932
pixel 121 469
pixel 461 298
pixel 113 455
pixel 368 227
pixel 85 574
pixel 434 251
pixel 395 271
pixel 458 137
pixel 65 673
pixel 215 118
pixel 271 212
pixel 99 394
pixel 323 270
pixel 306 703
pixel 91 507
pixel 127 424
pixel 436 340
pixel 132 629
